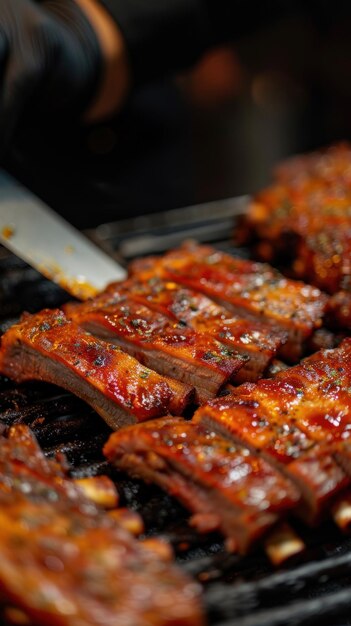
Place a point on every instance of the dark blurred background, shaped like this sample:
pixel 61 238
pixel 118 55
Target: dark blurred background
pixel 211 133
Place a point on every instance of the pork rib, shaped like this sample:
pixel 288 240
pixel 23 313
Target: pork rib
pixel 64 562
pixel 166 346
pixel 48 347
pixel 256 342
pixel 295 420
pixel 248 289
pixel 223 484
pixel 303 218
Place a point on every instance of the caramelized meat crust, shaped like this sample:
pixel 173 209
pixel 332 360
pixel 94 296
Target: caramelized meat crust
pixel 223 484
pixel 168 347
pixel 295 419
pixel 258 343
pixel 64 562
pixel 308 208
pixel 248 289
pixel 49 347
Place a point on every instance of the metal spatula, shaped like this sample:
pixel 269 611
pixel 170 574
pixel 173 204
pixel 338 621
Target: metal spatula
pixel 47 242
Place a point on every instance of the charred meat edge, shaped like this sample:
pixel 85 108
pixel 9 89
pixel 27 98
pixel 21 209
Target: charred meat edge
pixel 212 510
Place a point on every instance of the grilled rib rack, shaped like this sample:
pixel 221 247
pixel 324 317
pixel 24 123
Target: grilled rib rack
pixel 238 591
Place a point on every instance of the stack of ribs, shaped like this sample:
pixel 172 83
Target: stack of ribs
pixel 253 340
pixel 171 345
pixel 254 291
pixel 172 348
pixel 303 220
pixel 271 448
pixel 225 486
pixel 196 329
pixel 49 347
pixel 65 561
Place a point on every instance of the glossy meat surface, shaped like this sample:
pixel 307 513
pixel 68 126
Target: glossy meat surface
pixel 64 562
pixel 295 419
pixel 163 344
pixel 308 207
pixel 223 484
pixel 48 347
pixel 254 340
pixel 247 288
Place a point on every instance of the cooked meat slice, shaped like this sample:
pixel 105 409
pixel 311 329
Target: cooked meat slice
pixel 323 257
pixel 315 473
pixel 164 345
pixel 315 394
pixel 48 347
pixel 65 562
pixel 21 457
pixel 248 289
pixel 295 419
pixel 223 484
pixel 310 210
pixel 257 342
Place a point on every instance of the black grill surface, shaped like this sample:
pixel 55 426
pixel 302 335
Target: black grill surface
pixel 313 589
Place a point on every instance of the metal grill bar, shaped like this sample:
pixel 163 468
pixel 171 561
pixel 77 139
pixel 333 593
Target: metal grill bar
pixel 300 613
pixel 234 600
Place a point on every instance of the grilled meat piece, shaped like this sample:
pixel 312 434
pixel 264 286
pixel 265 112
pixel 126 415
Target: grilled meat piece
pixel 308 190
pixel 257 342
pixel 162 344
pixel 295 419
pixel 324 256
pixel 223 484
pixel 64 562
pixel 315 473
pixel 48 347
pixel 20 451
pixel 248 289
pixel 311 241
pixel 308 207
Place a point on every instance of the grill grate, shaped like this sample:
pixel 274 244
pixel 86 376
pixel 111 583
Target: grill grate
pixel 238 591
